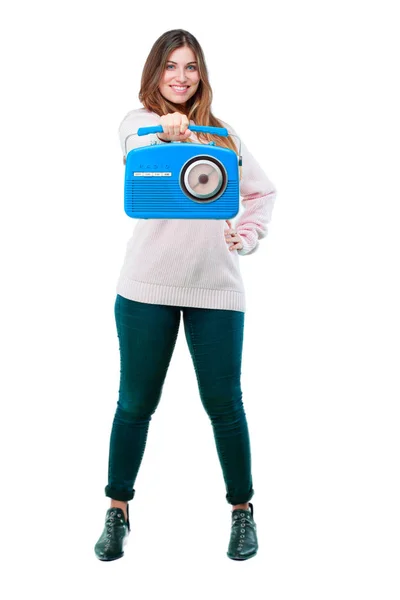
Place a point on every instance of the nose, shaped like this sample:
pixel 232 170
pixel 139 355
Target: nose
pixel 181 77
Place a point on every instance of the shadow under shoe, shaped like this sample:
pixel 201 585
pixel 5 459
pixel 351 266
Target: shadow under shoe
pixel 110 545
pixel 243 543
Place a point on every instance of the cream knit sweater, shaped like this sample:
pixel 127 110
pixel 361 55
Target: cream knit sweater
pixel 187 262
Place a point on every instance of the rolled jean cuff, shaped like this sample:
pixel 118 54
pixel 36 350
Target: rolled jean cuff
pixel 239 498
pixel 118 494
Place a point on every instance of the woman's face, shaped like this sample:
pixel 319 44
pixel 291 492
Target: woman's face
pixel 181 71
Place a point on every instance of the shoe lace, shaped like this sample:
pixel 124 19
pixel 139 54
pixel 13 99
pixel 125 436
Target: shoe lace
pixel 110 522
pixel 241 526
pixel 109 527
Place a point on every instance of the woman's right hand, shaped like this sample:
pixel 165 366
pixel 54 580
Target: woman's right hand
pixel 175 127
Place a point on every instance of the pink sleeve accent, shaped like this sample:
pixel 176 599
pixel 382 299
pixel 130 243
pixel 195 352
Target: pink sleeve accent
pixel 258 196
pixel 253 224
pixel 258 199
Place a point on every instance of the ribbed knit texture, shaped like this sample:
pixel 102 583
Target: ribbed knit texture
pixel 187 262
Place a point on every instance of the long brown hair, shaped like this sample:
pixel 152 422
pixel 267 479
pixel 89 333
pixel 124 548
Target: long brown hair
pixel 198 107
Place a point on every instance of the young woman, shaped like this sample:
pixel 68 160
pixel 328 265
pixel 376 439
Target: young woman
pixel 187 266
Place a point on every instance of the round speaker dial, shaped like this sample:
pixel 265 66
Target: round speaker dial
pixel 203 178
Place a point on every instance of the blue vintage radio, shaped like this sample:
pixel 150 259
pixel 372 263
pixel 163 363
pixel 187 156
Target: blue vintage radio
pixel 182 181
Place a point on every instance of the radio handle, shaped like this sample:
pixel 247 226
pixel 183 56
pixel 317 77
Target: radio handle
pixel 222 131
pixel 204 129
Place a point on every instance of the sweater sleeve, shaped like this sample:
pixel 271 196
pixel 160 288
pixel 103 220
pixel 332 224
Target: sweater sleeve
pixel 258 196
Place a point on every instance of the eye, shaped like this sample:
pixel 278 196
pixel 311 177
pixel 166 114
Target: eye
pixel 193 66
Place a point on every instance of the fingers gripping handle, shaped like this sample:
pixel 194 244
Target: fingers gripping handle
pixel 159 129
pixel 222 131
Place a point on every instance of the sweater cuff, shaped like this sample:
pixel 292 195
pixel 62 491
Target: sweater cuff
pixel 249 241
pixel 159 141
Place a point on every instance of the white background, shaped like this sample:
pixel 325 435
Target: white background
pixel 311 88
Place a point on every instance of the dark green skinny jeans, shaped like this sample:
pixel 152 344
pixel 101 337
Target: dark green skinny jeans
pixel 147 335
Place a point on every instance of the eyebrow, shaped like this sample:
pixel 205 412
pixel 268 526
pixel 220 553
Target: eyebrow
pixel 189 63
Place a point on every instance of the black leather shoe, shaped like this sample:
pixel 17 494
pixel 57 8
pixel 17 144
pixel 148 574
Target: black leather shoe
pixel 115 535
pixel 243 543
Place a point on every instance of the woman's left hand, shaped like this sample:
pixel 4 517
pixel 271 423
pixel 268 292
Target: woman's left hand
pixel 231 235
